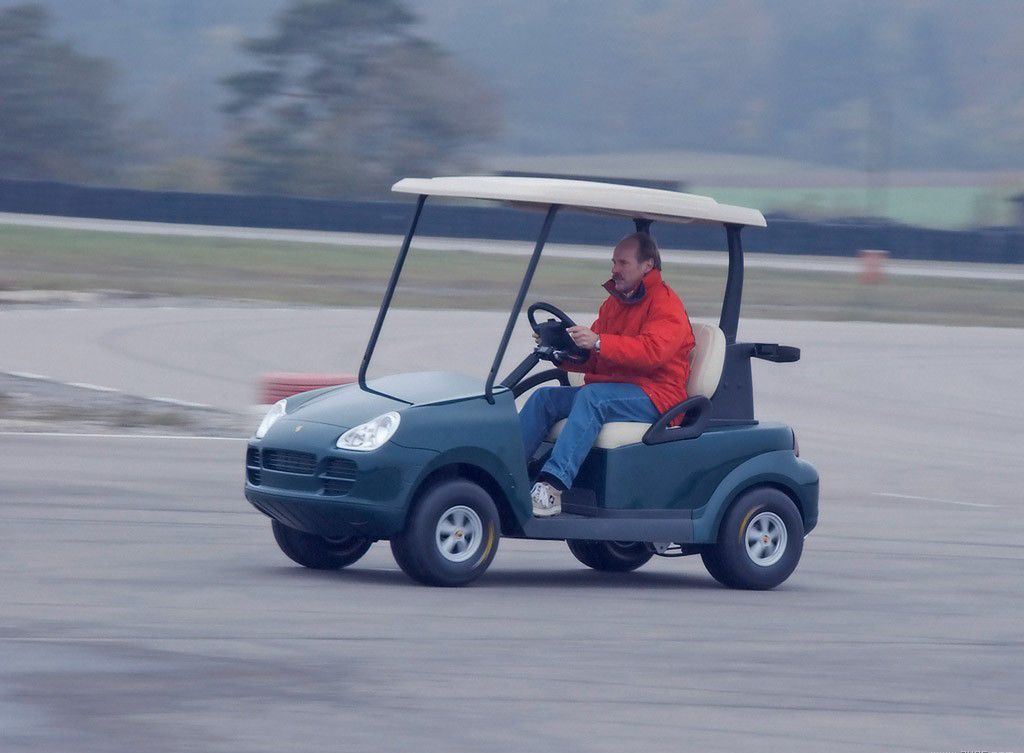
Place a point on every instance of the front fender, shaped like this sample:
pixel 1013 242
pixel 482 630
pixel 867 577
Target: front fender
pixel 780 468
pixel 513 483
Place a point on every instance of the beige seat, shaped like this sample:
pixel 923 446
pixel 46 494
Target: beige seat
pixel 706 361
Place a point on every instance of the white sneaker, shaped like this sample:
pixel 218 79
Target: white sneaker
pixel 547 500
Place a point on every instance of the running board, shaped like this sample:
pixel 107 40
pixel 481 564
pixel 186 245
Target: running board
pixel 568 526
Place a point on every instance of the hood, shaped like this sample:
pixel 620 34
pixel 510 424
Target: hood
pixel 349 406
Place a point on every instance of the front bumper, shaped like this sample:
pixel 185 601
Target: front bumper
pixel 328 518
pixel 333 493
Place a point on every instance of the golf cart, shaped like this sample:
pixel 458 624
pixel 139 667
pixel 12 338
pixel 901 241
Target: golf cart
pixel 434 462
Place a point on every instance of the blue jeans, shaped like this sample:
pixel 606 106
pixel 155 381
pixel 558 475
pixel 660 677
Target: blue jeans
pixel 587 408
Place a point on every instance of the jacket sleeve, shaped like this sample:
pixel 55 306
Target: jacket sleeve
pixel 588 365
pixel 663 333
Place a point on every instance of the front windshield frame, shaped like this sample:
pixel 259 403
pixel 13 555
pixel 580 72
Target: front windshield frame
pixel 728 320
pixel 517 306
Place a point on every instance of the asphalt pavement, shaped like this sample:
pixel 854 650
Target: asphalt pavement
pixel 145 606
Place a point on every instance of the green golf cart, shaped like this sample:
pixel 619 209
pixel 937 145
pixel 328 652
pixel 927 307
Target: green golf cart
pixel 434 463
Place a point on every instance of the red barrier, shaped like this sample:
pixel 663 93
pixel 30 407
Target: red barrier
pixel 277 386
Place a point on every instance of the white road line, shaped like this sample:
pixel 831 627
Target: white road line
pixel 28 375
pixel 931 499
pixel 117 436
pixel 181 403
pixel 101 388
pixel 93 387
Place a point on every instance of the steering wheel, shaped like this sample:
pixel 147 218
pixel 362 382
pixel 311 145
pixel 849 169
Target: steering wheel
pixel 542 306
pixel 555 343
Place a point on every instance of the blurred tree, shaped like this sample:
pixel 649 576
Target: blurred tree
pixel 57 117
pixel 345 98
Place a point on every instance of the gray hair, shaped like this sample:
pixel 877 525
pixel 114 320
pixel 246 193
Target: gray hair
pixel 646 248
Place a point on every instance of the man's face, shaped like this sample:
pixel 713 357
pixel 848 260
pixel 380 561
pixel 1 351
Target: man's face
pixel 627 272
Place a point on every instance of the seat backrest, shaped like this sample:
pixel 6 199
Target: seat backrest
pixel 706 360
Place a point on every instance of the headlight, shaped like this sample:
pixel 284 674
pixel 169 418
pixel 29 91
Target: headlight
pixel 371 435
pixel 277 410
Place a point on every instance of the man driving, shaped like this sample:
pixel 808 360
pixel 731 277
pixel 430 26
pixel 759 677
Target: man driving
pixel 637 368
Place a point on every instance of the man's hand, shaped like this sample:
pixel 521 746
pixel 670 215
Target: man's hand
pixel 584 337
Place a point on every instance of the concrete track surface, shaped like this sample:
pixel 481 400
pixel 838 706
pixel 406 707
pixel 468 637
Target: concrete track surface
pixel 145 606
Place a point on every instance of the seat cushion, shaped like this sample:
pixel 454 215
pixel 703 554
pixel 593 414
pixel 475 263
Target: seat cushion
pixel 613 434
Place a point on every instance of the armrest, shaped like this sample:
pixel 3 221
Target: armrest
pixel 696 411
pixel 775 353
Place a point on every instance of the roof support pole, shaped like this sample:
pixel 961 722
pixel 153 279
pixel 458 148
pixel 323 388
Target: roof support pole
pixel 729 320
pixel 517 307
pixel 390 292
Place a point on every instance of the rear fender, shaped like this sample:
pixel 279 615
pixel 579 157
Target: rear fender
pixel 781 469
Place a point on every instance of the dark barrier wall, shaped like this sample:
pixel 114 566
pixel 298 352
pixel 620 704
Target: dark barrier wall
pixel 997 245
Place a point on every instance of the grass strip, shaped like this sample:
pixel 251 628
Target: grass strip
pixel 346 275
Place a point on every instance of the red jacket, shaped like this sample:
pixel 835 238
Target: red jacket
pixel 645 340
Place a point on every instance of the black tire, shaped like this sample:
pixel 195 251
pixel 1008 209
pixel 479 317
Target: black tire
pixel 772 523
pixel 610 556
pixel 318 553
pixel 406 565
pixel 428 555
pixel 715 567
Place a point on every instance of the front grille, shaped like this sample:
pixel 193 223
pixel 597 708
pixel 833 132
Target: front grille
pixel 341 468
pixel 289 461
pixel 339 476
pixel 252 465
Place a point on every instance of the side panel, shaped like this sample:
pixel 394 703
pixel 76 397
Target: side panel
pixel 675 476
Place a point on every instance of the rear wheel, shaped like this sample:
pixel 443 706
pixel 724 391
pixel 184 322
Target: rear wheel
pixel 759 543
pixel 451 536
pixel 610 556
pixel 316 552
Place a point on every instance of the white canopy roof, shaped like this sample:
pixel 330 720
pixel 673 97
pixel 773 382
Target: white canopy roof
pixel 590 196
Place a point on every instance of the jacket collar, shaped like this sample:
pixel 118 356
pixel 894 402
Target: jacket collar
pixel 651 279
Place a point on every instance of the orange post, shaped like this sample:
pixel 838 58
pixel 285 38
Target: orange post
pixel 872 269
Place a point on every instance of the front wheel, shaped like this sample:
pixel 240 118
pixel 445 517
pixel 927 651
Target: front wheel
pixel 759 543
pixel 316 552
pixel 610 556
pixel 451 536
